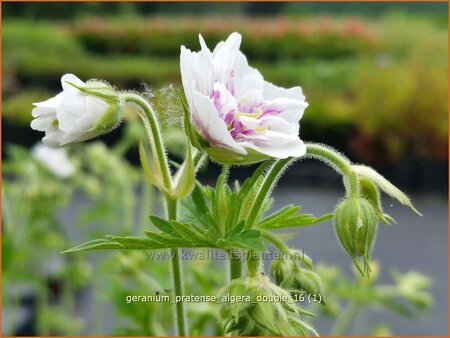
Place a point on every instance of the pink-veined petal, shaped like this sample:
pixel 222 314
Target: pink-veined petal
pixel 224 101
pixel 211 126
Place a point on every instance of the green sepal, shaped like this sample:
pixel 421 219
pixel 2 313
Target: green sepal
pixel 184 180
pixel 196 139
pixel 108 121
pixel 370 191
pixel 98 89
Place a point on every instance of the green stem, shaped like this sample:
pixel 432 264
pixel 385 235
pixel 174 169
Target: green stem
pixel 151 125
pixel 343 320
pixel 352 185
pixel 329 156
pixel 338 162
pixel 253 263
pixel 176 273
pixel 267 185
pixel 146 202
pixel 278 243
pixel 235 266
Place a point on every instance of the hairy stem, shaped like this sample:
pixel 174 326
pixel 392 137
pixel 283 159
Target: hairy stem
pixel 338 162
pixel 235 266
pixel 265 189
pixel 278 243
pixel 329 156
pixel 253 263
pixel 176 273
pixel 148 117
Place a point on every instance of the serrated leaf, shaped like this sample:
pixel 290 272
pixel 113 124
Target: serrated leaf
pixel 237 229
pixel 96 244
pixel 298 220
pixel 279 216
pixel 167 241
pixel 186 232
pixel 135 242
pixel 193 209
pixel 162 224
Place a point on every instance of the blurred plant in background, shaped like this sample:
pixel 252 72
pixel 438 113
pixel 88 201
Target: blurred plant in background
pixel 370 82
pixel 408 297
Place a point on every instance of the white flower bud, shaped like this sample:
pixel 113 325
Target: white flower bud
pixel 80 112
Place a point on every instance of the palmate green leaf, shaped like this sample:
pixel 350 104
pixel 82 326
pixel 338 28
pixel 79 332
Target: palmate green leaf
pixel 194 209
pixel 247 239
pixel 189 231
pixel 288 217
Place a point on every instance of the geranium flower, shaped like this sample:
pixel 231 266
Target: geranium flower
pixel 80 112
pixel 239 117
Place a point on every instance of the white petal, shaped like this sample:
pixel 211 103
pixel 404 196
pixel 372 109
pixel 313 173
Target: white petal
pixel 43 122
pixel 94 109
pixel 197 72
pixel 225 48
pixel 70 78
pixel 73 106
pixel 52 138
pixel 276 145
pixel 69 138
pixel 278 124
pixel 249 122
pixel 252 99
pixel 246 78
pixel 224 101
pixel 272 92
pixel 49 104
pixel 224 59
pixel 187 74
pixel 289 109
pixel 211 126
pixel 40 111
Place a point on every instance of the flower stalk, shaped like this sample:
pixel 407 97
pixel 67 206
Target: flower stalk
pixel 148 118
pixel 164 182
pixel 235 265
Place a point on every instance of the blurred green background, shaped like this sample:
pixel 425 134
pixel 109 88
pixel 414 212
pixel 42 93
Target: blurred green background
pixel 375 74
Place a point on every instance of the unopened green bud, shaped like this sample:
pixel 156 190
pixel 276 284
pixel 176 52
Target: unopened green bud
pixel 356 226
pixel 281 270
pixel 269 310
pixel 309 281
